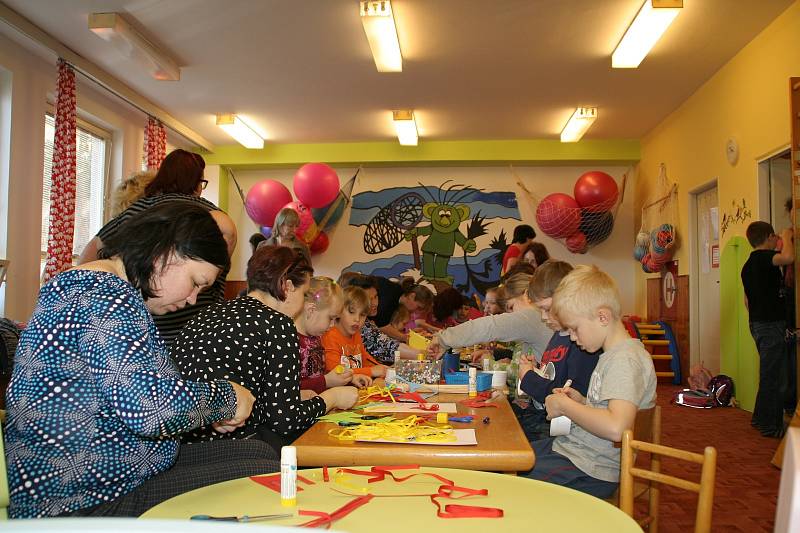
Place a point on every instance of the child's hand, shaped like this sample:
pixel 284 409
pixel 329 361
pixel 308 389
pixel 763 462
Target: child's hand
pixel 571 393
pixel 479 355
pixel 306 394
pixel 525 366
pixel 361 381
pixel 344 397
pixel 435 349
pixel 554 404
pixel 244 406
pixel 378 371
pixel 334 379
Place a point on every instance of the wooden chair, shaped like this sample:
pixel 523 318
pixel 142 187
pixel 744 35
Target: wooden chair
pixel 647 427
pixel 705 488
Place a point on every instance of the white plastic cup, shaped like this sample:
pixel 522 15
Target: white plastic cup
pixel 499 378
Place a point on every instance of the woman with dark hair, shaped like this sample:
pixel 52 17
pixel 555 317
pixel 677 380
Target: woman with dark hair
pixel 179 178
pixel 536 255
pixel 95 403
pixel 521 241
pixel 253 340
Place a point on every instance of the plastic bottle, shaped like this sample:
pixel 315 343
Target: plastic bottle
pixel 473 382
pixel 288 476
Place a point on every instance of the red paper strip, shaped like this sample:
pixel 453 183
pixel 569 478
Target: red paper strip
pixel 274 482
pixel 327 519
pixel 427 407
pixel 475 404
pixel 325 476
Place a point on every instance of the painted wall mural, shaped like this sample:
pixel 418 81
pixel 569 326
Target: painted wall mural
pixel 447 228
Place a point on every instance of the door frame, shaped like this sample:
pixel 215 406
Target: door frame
pixel 694 270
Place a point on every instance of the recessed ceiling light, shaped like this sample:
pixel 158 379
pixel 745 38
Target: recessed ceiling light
pixel 650 23
pixel 239 130
pixel 406 127
pixel 378 22
pixel 578 123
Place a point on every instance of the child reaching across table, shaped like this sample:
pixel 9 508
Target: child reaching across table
pixel 323 305
pixel 343 344
pixel 586 303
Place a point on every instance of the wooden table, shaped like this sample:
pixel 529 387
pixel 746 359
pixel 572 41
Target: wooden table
pixel 502 446
pixel 527 505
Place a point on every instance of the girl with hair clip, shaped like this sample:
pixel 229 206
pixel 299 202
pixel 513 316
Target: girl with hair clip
pixel 96 405
pixel 253 339
pixel 323 305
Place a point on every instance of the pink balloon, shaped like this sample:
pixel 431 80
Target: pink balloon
pixel 558 215
pixel 596 191
pixel 307 229
pixel 320 244
pixel 316 184
pixel 264 200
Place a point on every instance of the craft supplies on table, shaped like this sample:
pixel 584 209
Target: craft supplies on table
pixel 426 371
pixel 483 379
pixel 410 408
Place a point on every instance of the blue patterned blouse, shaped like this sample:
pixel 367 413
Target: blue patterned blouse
pixel 94 401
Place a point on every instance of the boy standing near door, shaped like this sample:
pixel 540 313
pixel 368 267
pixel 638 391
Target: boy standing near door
pixel 762 280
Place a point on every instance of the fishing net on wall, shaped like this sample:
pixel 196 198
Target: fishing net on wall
pixel 657 238
pixel 581 221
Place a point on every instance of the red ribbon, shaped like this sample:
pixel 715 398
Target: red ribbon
pixel 274 482
pixel 325 476
pixel 463 511
pixel 325 519
pixel 427 407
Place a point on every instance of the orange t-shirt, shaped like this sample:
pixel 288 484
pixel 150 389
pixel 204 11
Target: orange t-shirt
pixel 346 351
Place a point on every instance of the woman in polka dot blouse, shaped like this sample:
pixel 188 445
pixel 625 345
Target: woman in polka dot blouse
pixel 253 340
pixel 95 403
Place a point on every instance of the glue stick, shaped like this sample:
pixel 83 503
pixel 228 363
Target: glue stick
pixel 473 382
pixel 288 476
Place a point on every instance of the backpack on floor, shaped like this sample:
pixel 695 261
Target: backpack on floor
pixel 719 394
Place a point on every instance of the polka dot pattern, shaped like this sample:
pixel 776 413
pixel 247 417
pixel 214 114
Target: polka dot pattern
pixel 249 343
pixel 94 400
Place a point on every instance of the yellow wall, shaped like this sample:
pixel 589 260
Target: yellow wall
pixel 748 99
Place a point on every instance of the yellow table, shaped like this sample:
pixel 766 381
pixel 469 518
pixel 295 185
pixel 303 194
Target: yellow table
pixel 528 505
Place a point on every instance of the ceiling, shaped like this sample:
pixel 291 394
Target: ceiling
pixel 302 72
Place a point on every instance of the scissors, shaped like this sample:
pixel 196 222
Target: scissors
pixel 244 518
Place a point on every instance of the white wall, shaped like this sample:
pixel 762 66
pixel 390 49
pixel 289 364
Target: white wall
pixel 28 82
pixel 613 255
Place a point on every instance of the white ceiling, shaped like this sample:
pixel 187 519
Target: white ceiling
pixel 301 70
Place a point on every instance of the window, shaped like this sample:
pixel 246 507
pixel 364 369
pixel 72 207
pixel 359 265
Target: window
pixel 91 149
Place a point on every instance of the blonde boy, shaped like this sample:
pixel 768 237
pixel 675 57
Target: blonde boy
pixel 586 303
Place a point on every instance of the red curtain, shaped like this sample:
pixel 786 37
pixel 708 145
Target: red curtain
pixel 62 189
pixel 155 143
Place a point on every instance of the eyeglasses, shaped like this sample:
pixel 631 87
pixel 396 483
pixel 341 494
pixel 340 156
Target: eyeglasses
pixel 203 184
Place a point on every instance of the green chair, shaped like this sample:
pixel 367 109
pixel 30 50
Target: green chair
pixel 3 476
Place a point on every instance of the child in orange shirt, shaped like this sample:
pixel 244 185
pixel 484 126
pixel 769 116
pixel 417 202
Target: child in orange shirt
pixel 342 343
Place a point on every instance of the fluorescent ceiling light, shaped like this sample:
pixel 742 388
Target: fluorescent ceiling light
pixel 113 28
pixel 378 21
pixel 650 23
pixel 578 123
pixel 244 134
pixel 406 127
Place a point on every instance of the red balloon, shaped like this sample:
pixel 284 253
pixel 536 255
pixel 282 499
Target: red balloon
pixel 558 215
pixel 320 244
pixel 576 243
pixel 264 200
pixel 596 191
pixel 316 184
